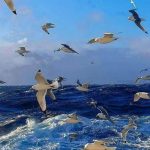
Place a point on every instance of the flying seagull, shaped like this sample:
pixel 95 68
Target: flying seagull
pixel 136 19
pixel 104 114
pixel 10 4
pixel 82 87
pixel 66 48
pixel 141 95
pixel 22 51
pixel 2 82
pixel 142 78
pixel 56 83
pixel 93 103
pixel 107 38
pixel 127 128
pixel 47 26
pixel 41 87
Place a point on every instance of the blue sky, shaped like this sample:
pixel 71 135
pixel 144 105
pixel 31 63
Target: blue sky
pixel 76 22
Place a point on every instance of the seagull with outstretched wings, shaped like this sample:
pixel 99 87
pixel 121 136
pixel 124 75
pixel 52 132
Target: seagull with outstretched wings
pixel 136 19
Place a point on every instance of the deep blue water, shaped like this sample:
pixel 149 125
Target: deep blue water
pixel 22 125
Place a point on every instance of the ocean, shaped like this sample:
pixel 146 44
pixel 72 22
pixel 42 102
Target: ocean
pixel 24 127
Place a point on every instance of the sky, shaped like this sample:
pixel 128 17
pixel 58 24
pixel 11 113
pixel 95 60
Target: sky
pixel 76 21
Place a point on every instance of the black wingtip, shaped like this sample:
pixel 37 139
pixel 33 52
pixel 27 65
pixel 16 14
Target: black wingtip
pixel 39 70
pixel 14 12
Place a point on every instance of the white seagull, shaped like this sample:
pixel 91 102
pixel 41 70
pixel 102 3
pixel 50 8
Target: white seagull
pixel 107 38
pixel 127 128
pixel 41 87
pixel 22 51
pixel 67 49
pixel 47 26
pixel 82 87
pixel 141 95
pixel 10 4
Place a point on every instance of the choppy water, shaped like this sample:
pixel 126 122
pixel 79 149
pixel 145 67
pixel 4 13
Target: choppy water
pixel 23 127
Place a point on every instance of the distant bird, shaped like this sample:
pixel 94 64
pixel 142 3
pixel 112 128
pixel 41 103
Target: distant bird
pixel 142 78
pixel 47 26
pixel 127 128
pixel 141 95
pixel 97 145
pixel 72 119
pixel 92 62
pixel 143 70
pixel 104 114
pixel 41 87
pixel 107 38
pixel 82 87
pixel 10 4
pixel 2 82
pixel 22 51
pixel 93 103
pixel 136 19
pixel 66 48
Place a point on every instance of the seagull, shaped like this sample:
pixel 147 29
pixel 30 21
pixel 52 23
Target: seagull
pixel 2 82
pixel 72 119
pixel 10 4
pixel 66 48
pixel 104 114
pixel 127 128
pixel 41 87
pixel 97 145
pixel 22 51
pixel 107 38
pixel 136 19
pixel 142 78
pixel 92 103
pixel 82 87
pixel 142 95
pixel 56 83
pixel 47 26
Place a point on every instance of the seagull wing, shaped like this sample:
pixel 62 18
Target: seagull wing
pixel 138 23
pixel 136 97
pixel 85 86
pixel 67 46
pixel 20 53
pixel 138 79
pixel 134 13
pixel 104 111
pixel 49 25
pixel 22 48
pixel 40 78
pixel 41 99
pixel 108 35
pixel 45 29
pixel 51 94
pixel 10 4
pixel 79 83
